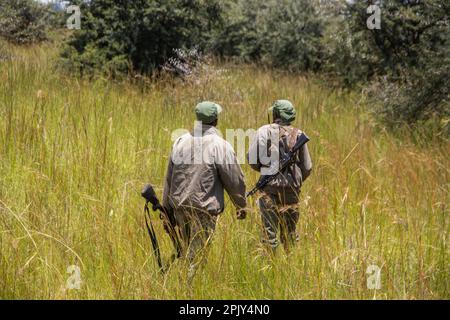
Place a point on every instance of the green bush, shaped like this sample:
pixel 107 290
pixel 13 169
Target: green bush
pixel 239 34
pixel 408 56
pixel 23 21
pixel 137 36
pixel 291 36
pixel 283 34
pixel 420 98
pixel 140 36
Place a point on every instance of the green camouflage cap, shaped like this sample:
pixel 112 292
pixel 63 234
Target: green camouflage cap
pixel 284 109
pixel 207 112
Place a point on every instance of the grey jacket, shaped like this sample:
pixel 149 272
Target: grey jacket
pixel 288 183
pixel 200 168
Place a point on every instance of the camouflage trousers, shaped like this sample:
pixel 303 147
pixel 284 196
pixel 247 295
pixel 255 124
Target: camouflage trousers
pixel 196 230
pixel 275 218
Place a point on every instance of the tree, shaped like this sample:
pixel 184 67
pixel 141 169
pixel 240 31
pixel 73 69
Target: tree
pixel 291 36
pixel 283 34
pixel 137 36
pixel 410 53
pixel 23 21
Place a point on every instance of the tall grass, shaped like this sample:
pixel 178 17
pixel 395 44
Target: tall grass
pixel 74 155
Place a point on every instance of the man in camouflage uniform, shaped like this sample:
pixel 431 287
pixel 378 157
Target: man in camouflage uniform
pixel 279 200
pixel 201 166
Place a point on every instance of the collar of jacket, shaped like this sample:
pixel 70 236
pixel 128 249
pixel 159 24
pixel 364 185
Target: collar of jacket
pixel 205 129
pixel 281 123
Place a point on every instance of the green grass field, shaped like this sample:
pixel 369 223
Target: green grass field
pixel 74 155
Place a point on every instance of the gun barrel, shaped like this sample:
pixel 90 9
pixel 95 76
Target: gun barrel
pixel 251 192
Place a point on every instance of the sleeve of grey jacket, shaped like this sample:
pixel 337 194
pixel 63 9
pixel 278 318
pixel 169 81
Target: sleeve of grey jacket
pixel 232 178
pixel 253 153
pixel 305 162
pixel 167 184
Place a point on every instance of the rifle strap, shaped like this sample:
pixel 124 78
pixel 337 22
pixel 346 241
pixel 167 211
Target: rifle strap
pixel 293 138
pixel 153 239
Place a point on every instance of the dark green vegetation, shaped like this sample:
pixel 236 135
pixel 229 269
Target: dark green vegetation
pixel 27 21
pixel 411 52
pixel 23 21
pixel 137 36
pixel 404 66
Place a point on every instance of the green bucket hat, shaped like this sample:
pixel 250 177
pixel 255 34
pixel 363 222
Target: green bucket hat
pixel 207 112
pixel 284 110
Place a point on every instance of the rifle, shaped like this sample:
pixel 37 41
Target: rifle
pixel 148 193
pixel 285 162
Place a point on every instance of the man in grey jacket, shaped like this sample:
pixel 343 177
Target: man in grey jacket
pixel 279 200
pixel 201 166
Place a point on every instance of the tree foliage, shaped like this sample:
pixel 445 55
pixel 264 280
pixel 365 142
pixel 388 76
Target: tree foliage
pixel 282 33
pixel 141 35
pixel 23 21
pixel 407 59
pixel 410 53
pixel 137 36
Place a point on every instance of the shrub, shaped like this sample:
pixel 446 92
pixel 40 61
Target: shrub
pixel 23 21
pixel 410 53
pixel 140 36
pixel 422 97
pixel 291 36
pixel 283 34
pixel 137 36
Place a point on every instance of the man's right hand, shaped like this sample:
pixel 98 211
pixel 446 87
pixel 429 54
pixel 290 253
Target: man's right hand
pixel 241 214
